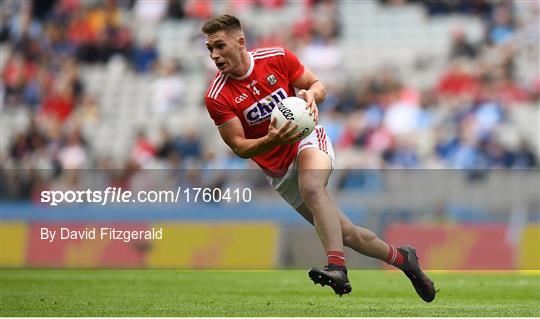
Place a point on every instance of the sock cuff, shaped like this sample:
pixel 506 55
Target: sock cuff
pixel 336 258
pixel 392 254
pixel 395 257
pixel 335 253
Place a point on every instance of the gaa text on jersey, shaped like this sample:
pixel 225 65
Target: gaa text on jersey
pixel 240 98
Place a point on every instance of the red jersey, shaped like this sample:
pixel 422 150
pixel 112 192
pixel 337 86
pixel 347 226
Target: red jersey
pixel 252 97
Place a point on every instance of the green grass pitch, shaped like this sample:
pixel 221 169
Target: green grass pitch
pixel 259 293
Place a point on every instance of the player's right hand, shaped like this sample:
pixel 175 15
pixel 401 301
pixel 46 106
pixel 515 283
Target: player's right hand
pixel 283 135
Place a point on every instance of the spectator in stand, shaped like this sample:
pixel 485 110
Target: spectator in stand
pixel 188 144
pixel 467 154
pixel 16 74
pixel 4 26
pixel 30 148
pixel 175 10
pixel 524 156
pixel 402 112
pixel 168 89
pixel 198 9
pixel 37 87
pixel 445 7
pixel 58 103
pixel 56 41
pixel 21 23
pixel 458 80
pixel 461 47
pixel 87 115
pixel 500 87
pixel 150 12
pixel 73 155
pixel 165 146
pixel 402 154
pixel 70 74
pixel 143 152
pixel 145 56
pixel 119 36
pixel 98 33
pixel 322 55
pixel 501 27
pixel 79 32
pixel 19 147
pixel 495 153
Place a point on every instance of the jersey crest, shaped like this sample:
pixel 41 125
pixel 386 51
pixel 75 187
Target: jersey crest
pixel 271 79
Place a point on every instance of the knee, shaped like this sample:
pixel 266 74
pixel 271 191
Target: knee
pixel 354 236
pixel 311 191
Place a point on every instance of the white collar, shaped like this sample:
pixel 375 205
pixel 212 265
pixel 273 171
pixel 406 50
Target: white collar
pixel 249 71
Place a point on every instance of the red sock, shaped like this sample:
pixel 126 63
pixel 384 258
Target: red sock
pixel 394 258
pixel 336 258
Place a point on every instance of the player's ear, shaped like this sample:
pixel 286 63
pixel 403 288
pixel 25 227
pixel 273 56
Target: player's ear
pixel 241 41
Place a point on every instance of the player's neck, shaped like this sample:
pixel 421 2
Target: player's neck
pixel 244 67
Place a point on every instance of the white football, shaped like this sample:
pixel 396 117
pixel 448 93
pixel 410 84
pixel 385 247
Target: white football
pixel 295 109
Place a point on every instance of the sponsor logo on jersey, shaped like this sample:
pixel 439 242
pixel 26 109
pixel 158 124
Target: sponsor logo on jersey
pixel 271 79
pixel 260 111
pixel 240 98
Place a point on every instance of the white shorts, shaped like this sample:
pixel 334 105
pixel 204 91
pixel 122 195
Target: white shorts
pixel 287 186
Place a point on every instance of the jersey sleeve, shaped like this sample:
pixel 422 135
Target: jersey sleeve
pixel 295 69
pixel 219 112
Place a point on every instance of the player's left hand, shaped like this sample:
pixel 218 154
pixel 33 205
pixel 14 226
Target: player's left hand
pixel 309 96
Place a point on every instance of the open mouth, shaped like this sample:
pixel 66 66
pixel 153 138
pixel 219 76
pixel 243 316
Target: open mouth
pixel 221 65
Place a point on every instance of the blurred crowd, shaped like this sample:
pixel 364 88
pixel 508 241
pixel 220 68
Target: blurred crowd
pixel 377 120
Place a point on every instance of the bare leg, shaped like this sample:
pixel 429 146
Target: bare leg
pixel 360 239
pixel 314 169
pixel 335 229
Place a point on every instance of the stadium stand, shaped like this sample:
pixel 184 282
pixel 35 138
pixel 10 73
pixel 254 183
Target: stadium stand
pixel 409 86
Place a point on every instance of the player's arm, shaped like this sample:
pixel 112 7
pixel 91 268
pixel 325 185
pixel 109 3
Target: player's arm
pixel 232 134
pixel 311 90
